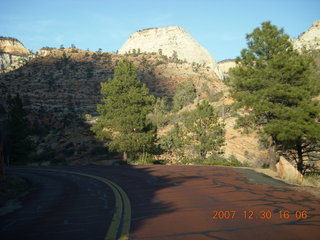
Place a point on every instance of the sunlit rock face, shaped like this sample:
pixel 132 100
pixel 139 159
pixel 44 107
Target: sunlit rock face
pixel 309 39
pixel 12 46
pixel 168 41
pixel 12 54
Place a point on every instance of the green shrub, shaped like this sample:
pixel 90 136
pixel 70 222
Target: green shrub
pixel 160 161
pixel 99 150
pixel 312 179
pixel 144 158
pixel 45 155
pixel 230 161
pixel 215 97
pixel 184 95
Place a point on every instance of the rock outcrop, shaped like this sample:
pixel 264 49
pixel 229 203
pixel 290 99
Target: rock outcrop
pixel 12 54
pixel 12 46
pixel 309 39
pixel 245 147
pixel 172 41
pixel 225 66
pixel 286 171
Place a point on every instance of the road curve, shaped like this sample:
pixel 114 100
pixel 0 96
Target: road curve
pixel 195 202
pixel 60 206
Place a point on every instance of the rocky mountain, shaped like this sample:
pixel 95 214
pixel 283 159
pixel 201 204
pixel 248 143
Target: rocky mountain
pixel 309 39
pixel 172 41
pixel 12 54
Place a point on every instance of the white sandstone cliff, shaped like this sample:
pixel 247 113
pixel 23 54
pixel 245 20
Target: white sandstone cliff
pixel 12 46
pixel 309 39
pixel 167 40
pixel 12 54
pixel 225 66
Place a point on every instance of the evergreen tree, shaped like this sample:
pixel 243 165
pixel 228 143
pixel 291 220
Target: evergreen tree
pixel 274 84
pixel 159 117
pixel 174 141
pixel 203 130
pixel 19 131
pixel 184 95
pixel 126 102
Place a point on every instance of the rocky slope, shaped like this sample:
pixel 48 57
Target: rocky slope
pixel 246 148
pixel 62 86
pixel 172 41
pixel 66 77
pixel 309 39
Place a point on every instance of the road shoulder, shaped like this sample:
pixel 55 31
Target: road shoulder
pixel 12 190
pixel 269 177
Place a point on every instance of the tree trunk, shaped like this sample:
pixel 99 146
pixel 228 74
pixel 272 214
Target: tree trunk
pixel 273 156
pixel 125 157
pixel 300 159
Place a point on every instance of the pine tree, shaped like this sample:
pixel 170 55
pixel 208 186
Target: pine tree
pixel 159 115
pixel 19 131
pixel 203 130
pixel 122 120
pixel 174 141
pixel 274 84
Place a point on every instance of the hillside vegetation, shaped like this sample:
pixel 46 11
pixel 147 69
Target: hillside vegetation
pixel 191 116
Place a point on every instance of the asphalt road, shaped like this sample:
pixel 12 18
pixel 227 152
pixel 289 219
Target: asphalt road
pixel 167 202
pixel 60 206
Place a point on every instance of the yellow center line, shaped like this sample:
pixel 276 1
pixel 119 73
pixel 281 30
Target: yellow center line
pixel 122 206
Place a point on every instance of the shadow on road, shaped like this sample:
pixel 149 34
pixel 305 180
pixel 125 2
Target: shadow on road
pixel 141 184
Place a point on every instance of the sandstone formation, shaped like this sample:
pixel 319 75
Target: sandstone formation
pixel 12 54
pixel 245 147
pixel 309 39
pixel 12 46
pixel 225 66
pixel 172 41
pixel 288 172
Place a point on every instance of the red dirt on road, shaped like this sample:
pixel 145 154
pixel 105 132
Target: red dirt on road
pixel 184 206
